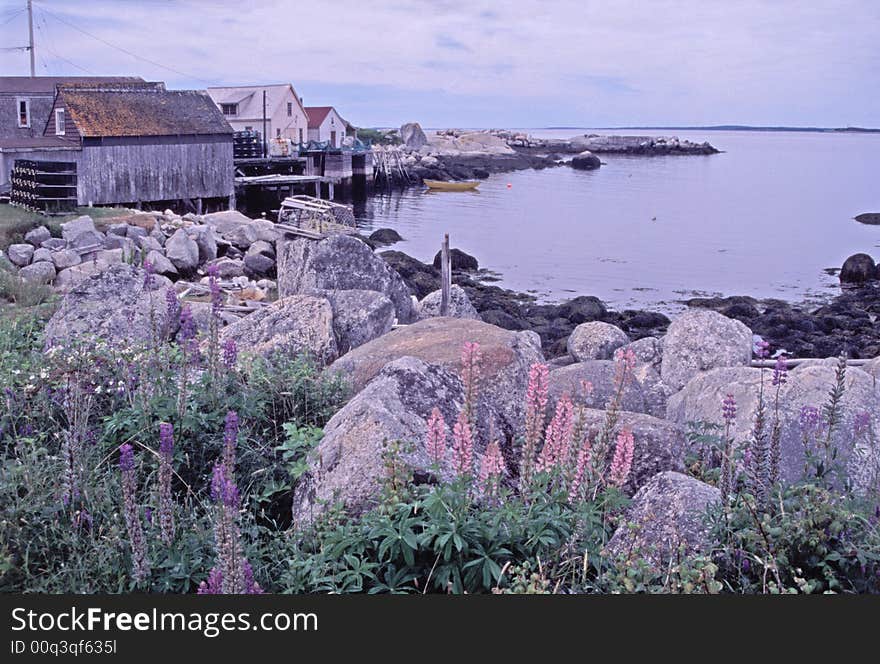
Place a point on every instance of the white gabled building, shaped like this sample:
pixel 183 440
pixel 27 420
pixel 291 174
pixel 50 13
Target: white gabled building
pixel 243 108
pixel 325 124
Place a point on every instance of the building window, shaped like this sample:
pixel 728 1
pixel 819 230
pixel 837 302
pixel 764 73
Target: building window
pixel 229 109
pixel 277 133
pixel 289 109
pixel 300 135
pixel 248 128
pixel 24 112
pixel 59 122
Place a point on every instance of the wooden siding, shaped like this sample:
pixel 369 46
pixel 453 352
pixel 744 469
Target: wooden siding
pixel 159 171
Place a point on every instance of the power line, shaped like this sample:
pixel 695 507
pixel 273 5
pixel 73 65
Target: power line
pixel 123 50
pixel 48 43
pixel 14 15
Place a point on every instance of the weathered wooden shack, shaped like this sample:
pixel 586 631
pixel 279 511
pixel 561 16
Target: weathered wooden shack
pixel 138 143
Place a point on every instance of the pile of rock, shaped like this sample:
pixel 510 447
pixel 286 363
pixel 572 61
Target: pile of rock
pixel 176 246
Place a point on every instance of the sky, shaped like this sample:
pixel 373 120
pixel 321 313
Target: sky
pixel 520 63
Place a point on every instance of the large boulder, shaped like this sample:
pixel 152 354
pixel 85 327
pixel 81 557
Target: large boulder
pixel 359 316
pixel 506 359
pixel 340 262
pixel 583 309
pixel 76 227
pixel 182 251
pixel 296 324
pixel 668 518
pixel 385 236
pixel 700 339
pixel 205 240
pixel 20 254
pixel 64 258
pixel 857 269
pixel 805 387
pixel 600 374
pixel 348 464
pixel 37 235
pixel 459 305
pixel 40 272
pixel 161 265
pixel 585 161
pixel 595 341
pixel 458 260
pixel 658 445
pixel 412 135
pixel 113 305
pixel 423 279
pixel 226 221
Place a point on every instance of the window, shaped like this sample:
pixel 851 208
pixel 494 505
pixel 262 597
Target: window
pixel 277 133
pixel 289 109
pixel 24 112
pixel 59 122
pixel 300 135
pixel 229 109
pixel 248 128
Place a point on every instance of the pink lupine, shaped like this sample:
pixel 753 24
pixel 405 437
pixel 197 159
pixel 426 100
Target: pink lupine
pixel 435 443
pixel 470 377
pixel 583 464
pixel 621 464
pixel 536 413
pixel 624 363
pixel 557 439
pixel 492 468
pixel 462 447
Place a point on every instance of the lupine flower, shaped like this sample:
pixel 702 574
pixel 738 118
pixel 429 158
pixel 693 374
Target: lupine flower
pixel 623 458
pixel 761 349
pixel 586 390
pixel 172 304
pixel 230 354
pixel 187 323
pixel 861 423
pixel 557 439
pixel 780 371
pixel 492 468
pixel 230 440
pixel 149 271
pixel 435 443
pixel 462 447
pixel 728 408
pixel 583 464
pixel 140 567
pixel 809 419
pixel 166 501
pixel 223 488
pixel 536 413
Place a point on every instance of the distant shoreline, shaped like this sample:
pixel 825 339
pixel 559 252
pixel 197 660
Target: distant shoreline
pixel 823 130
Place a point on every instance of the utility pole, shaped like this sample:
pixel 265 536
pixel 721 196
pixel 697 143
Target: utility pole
pixel 30 9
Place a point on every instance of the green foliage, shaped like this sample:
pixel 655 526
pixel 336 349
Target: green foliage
pixel 378 137
pixel 21 292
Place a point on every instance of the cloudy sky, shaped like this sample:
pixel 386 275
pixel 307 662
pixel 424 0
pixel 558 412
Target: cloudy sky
pixel 520 63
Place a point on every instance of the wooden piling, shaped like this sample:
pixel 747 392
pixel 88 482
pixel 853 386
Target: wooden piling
pixel 445 276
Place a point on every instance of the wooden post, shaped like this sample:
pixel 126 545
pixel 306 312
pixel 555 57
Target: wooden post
pixel 445 276
pixel 330 191
pixel 317 189
pixel 199 206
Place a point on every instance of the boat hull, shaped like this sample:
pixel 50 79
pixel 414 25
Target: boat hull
pixel 440 185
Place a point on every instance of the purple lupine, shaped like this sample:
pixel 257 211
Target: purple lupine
pixel 172 304
pixel 761 348
pixel 728 408
pixel 780 371
pixel 187 323
pixel 230 354
pixel 166 501
pixel 809 418
pixel 861 423
pixel 149 271
pixel 140 567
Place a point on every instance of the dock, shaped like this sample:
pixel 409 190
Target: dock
pixel 285 182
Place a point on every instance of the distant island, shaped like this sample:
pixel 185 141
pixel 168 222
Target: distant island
pixel 853 130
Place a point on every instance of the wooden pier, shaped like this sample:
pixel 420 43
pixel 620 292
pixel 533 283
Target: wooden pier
pixel 279 182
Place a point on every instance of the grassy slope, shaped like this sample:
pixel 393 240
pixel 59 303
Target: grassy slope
pixel 15 222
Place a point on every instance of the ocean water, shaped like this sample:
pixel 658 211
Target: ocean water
pixel 765 218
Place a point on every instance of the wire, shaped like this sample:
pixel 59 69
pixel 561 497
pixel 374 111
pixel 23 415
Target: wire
pixel 48 43
pixel 124 50
pixel 13 16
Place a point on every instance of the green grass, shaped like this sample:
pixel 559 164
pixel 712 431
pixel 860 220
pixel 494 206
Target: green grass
pixel 15 222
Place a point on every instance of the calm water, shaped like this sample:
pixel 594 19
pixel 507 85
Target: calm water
pixel 765 218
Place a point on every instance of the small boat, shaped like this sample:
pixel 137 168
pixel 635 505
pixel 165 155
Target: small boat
pixel 452 186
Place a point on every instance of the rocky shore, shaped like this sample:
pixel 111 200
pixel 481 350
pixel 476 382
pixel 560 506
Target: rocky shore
pixel 453 154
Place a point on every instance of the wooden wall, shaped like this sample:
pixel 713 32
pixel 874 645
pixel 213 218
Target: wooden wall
pixel 129 170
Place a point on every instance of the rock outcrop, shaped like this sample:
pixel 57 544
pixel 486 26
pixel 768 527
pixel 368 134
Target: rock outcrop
pixel 459 305
pixel 595 341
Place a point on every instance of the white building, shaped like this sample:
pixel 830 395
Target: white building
pixel 325 124
pixel 243 109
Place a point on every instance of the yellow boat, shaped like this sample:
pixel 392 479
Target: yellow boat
pixel 451 186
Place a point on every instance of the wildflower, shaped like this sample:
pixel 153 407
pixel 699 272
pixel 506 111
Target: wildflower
pixel 187 323
pixel 583 462
pixel 140 567
pixel 809 418
pixel 861 423
pixel 166 503
pixel 230 354
pixel 462 447
pixel 435 443
pixel 557 439
pixel 761 348
pixel 172 304
pixel 728 408
pixel 223 488
pixel 780 371
pixel 536 412
pixel 621 464
pixel 492 468
pixel 149 271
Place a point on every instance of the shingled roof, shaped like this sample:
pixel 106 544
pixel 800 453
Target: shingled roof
pixel 46 84
pixel 141 109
